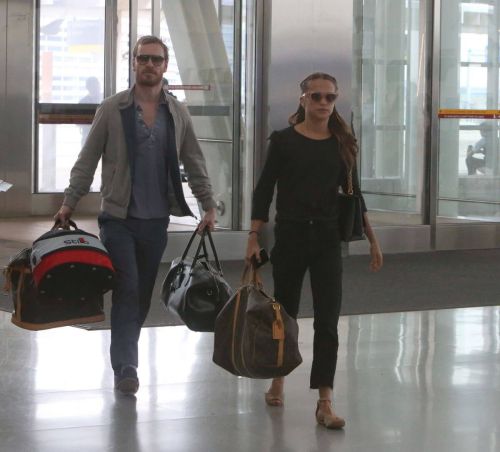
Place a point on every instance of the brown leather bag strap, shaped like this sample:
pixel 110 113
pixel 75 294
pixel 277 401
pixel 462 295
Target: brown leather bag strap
pixel 250 276
pixel 7 284
pixel 20 285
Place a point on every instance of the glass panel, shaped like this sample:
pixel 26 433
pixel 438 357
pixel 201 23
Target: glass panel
pixel 58 148
pixel 468 160
pixel 389 56
pixel 468 211
pixel 122 45
pixel 144 18
pixel 473 47
pixel 201 41
pixel 473 80
pixel 71 51
pixel 247 110
pixel 71 70
pixel 469 167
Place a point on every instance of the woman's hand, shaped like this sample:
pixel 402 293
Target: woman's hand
pixel 377 260
pixel 253 248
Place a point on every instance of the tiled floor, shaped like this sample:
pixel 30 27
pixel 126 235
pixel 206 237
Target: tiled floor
pixel 426 381
pixel 416 382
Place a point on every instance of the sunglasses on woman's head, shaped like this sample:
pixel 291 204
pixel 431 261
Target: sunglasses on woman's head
pixel 317 96
pixel 157 60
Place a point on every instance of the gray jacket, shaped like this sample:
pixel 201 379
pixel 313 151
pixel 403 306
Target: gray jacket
pixel 107 140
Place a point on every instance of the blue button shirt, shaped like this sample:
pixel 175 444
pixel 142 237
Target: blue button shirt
pixel 150 185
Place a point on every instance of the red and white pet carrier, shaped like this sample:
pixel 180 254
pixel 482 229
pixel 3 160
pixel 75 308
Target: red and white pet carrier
pixel 70 263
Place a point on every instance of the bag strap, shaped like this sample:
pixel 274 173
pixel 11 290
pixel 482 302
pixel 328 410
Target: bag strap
pixel 214 252
pixel 59 225
pixel 350 190
pixel 251 276
pixel 202 244
pixel 188 246
pixel 20 285
pixel 7 284
pixel 198 255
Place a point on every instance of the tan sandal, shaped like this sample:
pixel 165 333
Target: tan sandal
pixel 273 399
pixel 326 419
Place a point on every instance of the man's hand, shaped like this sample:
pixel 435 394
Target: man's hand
pixel 208 220
pixel 63 215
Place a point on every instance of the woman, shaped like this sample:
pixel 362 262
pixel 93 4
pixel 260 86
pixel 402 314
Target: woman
pixel 309 161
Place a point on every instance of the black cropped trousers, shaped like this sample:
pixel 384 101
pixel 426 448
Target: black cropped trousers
pixel 314 246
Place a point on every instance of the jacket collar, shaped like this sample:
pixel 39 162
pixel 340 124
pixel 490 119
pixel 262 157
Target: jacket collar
pixel 127 97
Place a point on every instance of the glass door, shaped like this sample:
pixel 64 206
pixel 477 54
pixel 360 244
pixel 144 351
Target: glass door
pixel 201 37
pixel 469 163
pixel 70 73
pixel 84 52
pixel 390 59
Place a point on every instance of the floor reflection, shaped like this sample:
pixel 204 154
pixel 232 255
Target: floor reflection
pixel 405 381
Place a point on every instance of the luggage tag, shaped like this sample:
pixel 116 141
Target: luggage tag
pixel 278 327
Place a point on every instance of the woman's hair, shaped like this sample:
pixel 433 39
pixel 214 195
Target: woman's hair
pixel 337 126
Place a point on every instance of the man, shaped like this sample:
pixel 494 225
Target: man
pixel 479 158
pixel 94 96
pixel 140 134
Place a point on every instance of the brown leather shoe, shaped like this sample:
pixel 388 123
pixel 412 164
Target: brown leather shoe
pixel 127 382
pixel 328 418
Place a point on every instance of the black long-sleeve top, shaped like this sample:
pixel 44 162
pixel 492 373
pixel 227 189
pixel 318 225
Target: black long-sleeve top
pixel 308 174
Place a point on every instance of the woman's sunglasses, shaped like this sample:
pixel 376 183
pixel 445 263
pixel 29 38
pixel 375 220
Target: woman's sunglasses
pixel 317 96
pixel 157 60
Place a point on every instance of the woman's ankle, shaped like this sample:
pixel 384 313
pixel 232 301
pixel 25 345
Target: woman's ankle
pixel 325 393
pixel 277 385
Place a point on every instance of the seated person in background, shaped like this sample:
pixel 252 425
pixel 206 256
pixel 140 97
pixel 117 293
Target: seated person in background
pixel 476 159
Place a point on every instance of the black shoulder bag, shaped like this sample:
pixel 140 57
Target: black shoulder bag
pixel 351 224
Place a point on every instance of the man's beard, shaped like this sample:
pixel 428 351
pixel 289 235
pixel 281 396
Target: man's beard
pixel 148 80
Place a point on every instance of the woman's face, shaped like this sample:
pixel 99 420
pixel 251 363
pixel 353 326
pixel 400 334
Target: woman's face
pixel 319 99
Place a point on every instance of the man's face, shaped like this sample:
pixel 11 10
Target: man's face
pixel 149 65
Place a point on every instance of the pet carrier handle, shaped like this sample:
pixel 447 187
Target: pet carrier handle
pixel 59 225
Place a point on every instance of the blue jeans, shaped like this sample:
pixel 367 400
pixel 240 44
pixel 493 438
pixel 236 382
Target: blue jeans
pixel 135 247
pixel 313 246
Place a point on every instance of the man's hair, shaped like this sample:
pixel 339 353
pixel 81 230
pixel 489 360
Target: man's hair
pixel 150 40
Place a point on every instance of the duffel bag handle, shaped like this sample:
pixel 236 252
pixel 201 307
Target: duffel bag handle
pixel 214 252
pixel 201 245
pixel 188 246
pixel 251 276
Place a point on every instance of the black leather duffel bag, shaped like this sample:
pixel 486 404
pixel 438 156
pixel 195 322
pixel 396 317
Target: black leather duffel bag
pixel 194 289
